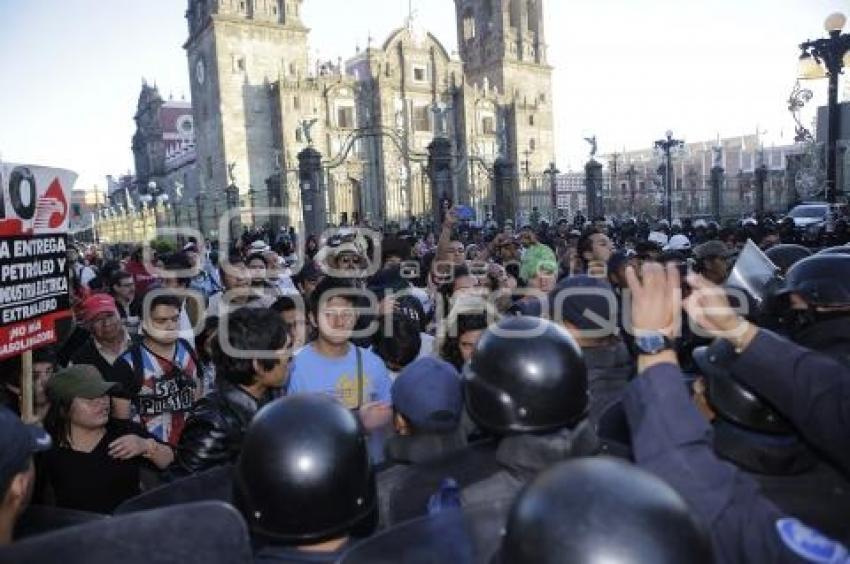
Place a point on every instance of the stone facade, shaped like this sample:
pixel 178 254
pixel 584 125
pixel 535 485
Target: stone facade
pixel 258 102
pixel 164 153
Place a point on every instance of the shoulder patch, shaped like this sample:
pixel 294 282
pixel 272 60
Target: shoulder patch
pixel 809 543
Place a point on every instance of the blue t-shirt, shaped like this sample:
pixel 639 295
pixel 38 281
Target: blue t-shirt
pixel 314 373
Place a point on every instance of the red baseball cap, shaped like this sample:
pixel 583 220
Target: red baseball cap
pixel 97 304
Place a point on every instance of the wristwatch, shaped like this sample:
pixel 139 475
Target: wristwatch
pixel 653 343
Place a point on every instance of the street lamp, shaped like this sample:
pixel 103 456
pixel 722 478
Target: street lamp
pixel 821 58
pixel 666 146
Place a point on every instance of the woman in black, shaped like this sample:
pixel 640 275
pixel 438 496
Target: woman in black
pixel 95 462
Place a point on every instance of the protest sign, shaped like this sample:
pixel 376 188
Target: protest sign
pixel 34 287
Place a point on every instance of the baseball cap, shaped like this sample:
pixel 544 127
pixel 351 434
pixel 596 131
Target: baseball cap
pixel 19 442
pixel 78 381
pixel 678 243
pixel 588 310
pixel 428 393
pixel 97 304
pixel 258 246
pixel 712 249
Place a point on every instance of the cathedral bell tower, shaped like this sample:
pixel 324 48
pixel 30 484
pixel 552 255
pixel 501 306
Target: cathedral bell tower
pixel 236 49
pixel 502 46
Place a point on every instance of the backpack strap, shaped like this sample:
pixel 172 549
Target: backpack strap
pixel 191 350
pixel 138 362
pixel 359 354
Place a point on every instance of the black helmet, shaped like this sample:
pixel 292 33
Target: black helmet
pixel 732 400
pixel 304 475
pixel 840 250
pixel 822 280
pixel 786 255
pixel 526 375
pixel 599 509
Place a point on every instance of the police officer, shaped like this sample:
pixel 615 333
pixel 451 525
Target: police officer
pixel 752 435
pixel 671 439
pixel 811 389
pixel 600 510
pixel 303 480
pixel 527 385
pixel 818 307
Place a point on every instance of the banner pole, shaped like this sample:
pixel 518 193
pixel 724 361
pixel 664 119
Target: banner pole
pixel 27 411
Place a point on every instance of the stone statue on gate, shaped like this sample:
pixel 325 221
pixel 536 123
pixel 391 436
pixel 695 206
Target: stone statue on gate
pixel 306 126
pixel 592 142
pixel 717 162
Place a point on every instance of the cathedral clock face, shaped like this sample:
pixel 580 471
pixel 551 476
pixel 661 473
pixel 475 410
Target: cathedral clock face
pixel 200 71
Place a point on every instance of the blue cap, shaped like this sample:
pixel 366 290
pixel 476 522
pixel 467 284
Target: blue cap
pixel 429 395
pixel 18 442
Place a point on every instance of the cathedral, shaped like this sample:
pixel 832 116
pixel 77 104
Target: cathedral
pixel 258 101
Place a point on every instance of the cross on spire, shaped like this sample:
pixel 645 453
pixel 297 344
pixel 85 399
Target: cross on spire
pixel 411 13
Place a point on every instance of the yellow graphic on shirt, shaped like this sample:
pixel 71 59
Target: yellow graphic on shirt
pixel 346 390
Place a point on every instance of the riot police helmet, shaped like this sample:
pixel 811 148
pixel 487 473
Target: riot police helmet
pixel 526 375
pixel 731 400
pixel 839 250
pixel 304 475
pixel 821 280
pixel 786 255
pixel 601 509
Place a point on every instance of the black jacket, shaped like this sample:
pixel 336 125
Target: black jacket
pixel 214 431
pixel 522 457
pixel 419 464
pixel 609 370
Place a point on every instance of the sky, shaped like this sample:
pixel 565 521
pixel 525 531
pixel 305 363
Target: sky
pixel 625 70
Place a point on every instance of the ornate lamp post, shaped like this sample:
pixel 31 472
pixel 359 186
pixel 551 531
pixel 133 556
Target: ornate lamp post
pixel 552 172
pixel 822 58
pixel 666 146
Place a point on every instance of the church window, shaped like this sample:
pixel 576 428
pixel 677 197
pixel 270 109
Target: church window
pixel 487 126
pixel 543 97
pixel 345 117
pixel 531 119
pixel 298 135
pixel 421 118
pixel 292 70
pixel 532 144
pixel 296 103
pixel 468 24
pixel 420 73
pixel 238 64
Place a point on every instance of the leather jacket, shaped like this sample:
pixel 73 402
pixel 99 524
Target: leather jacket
pixel 215 428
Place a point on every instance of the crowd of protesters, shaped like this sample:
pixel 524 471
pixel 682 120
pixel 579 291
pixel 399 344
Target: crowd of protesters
pixel 603 379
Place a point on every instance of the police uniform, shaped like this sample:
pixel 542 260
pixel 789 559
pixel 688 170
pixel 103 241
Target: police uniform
pixel 671 439
pixel 812 390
